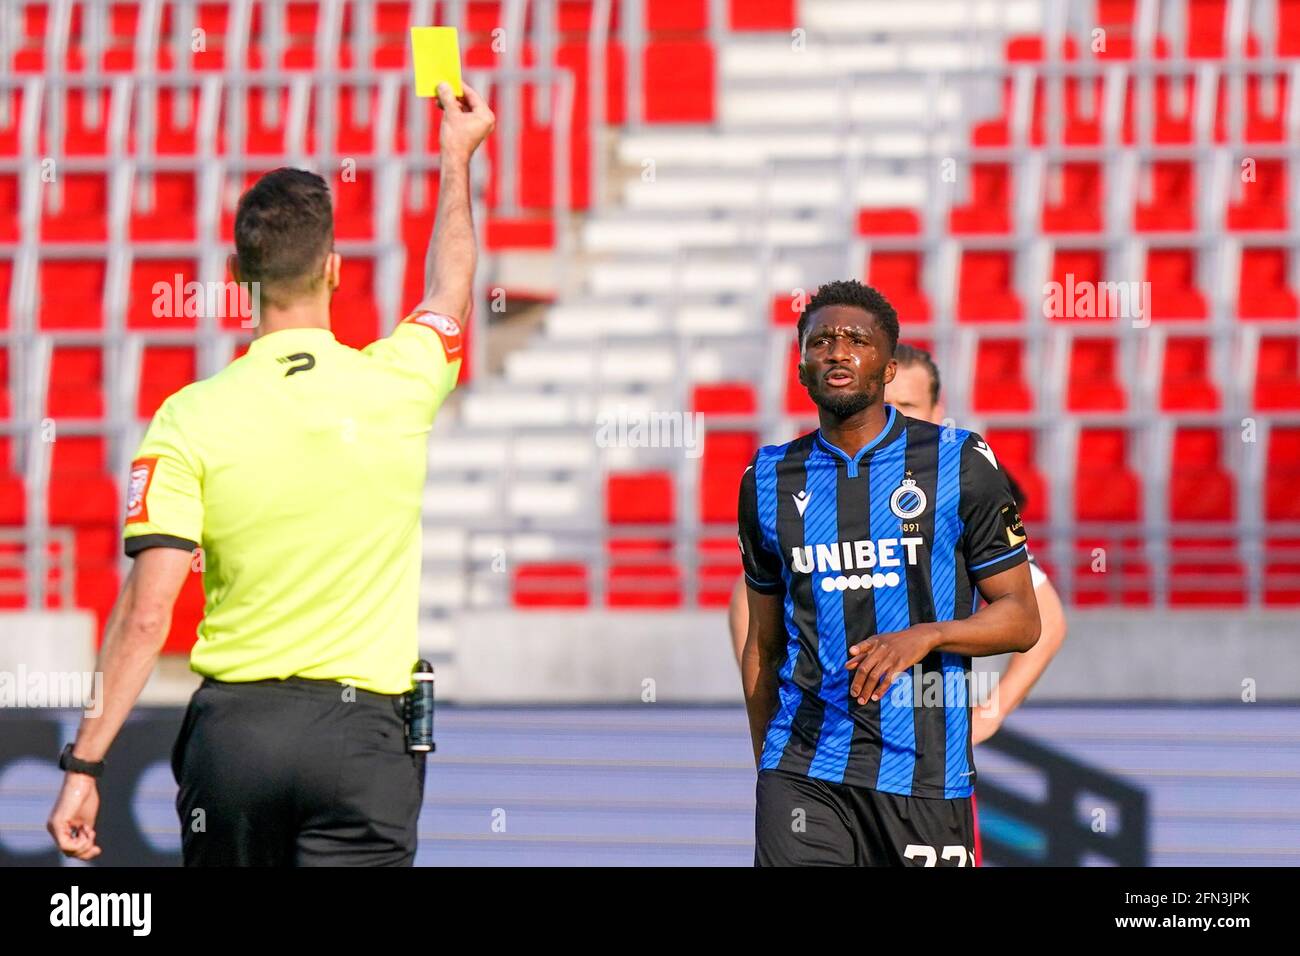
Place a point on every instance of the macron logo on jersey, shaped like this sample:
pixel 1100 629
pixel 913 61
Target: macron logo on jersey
pixel 983 448
pixel 801 501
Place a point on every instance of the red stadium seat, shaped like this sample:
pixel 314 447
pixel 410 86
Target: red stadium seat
pixel 1282 572
pixel 639 498
pixel 74 208
pixel 76 383
pixel 1105 489
pixel 678 81
pixel 1264 289
pixel 550 585
pixel 645 585
pixel 985 288
pixel 888 221
pixel 1282 475
pixel 1277 374
pixel 897 275
pixel 71 293
pixel 989 208
pixel 1094 376
pixel 1186 384
pixel 1206 572
pixel 161 295
pixel 1174 291
pixel 1000 377
pixel 762 15
pixel 1262 202
pixel 1200 489
pixel 164 205
pixel 1166 202
pixel 1074 203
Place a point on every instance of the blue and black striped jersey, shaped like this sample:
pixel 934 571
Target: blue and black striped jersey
pixel 871 544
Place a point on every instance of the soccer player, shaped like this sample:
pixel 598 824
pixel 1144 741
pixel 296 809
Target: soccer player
pixel 916 392
pixel 863 544
pixel 294 478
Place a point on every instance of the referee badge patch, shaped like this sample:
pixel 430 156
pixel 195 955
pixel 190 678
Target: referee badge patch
pixel 448 329
pixel 137 494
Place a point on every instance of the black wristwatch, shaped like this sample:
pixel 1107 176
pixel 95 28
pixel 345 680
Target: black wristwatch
pixel 91 768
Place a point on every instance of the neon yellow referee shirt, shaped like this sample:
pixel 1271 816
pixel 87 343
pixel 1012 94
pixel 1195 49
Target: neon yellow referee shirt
pixel 299 469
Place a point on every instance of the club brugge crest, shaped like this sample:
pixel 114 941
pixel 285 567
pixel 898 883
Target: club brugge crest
pixel 908 500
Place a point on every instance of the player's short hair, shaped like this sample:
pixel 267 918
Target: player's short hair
pixel 854 293
pixel 284 229
pixel 909 356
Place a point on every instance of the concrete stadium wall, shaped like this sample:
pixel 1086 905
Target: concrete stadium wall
pixel 47 641
pixel 545 657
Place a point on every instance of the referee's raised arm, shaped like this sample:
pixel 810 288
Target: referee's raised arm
pixel 293 480
pixel 449 267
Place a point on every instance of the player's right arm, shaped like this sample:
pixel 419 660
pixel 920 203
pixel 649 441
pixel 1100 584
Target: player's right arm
pixel 765 638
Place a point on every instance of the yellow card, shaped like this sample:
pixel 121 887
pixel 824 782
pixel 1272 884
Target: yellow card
pixel 435 51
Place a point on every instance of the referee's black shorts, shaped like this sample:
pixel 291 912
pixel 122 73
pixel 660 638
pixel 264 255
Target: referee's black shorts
pixel 294 773
pixel 802 821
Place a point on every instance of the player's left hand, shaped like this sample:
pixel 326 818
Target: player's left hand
pixel 881 658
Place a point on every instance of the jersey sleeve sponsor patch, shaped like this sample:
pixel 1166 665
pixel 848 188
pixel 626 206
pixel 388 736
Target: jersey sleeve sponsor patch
pixel 137 496
pixel 447 328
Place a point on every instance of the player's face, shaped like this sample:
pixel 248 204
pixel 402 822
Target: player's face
pixel 909 392
pixel 847 360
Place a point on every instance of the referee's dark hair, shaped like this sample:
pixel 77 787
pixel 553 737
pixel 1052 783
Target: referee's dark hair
pixel 910 355
pixel 284 229
pixel 852 292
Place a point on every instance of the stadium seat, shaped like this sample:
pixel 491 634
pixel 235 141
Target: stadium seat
pixel 1166 198
pixel 1261 202
pixel 989 208
pixel 1277 374
pixel 1201 491
pixel 1105 489
pixel 639 498
pixel 1074 198
pixel 1186 383
pixel 1264 289
pixel 1174 291
pixel 897 275
pixel 1282 475
pixel 72 293
pixel 1000 380
pixel 1094 376
pixel 550 585
pixel 985 288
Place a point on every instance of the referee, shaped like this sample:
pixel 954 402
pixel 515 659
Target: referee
pixel 296 474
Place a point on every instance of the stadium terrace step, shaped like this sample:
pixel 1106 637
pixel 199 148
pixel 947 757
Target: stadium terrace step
pixel 822 104
pixel 778 58
pixel 848 17
pixel 640 233
pixel 696 274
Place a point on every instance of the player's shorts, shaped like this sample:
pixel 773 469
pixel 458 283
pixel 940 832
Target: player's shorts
pixel 802 821
pixel 296 773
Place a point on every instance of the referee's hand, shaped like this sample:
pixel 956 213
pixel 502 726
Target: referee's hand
pixel 466 122
pixel 72 821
